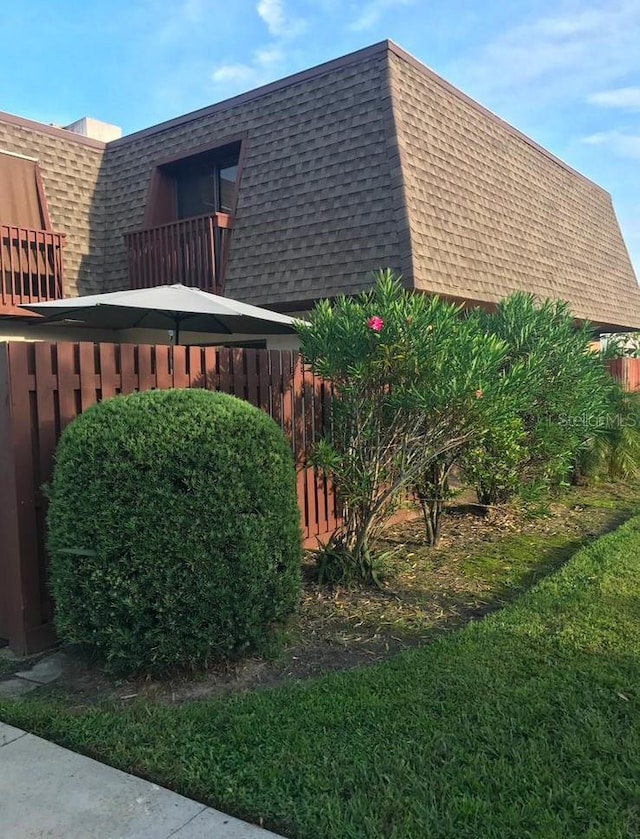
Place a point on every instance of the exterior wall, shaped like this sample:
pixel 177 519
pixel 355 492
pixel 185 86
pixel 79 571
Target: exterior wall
pixel 318 194
pixel 28 329
pixel 73 179
pixel 490 212
pixel 23 329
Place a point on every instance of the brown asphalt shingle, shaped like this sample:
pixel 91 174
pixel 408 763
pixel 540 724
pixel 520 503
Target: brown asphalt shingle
pixel 491 213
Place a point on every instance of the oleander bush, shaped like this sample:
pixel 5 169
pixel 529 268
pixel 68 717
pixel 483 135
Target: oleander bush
pixel 566 393
pixel 415 381
pixel 173 530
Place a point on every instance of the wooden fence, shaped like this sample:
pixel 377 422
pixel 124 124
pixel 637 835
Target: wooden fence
pixel 626 371
pixel 44 386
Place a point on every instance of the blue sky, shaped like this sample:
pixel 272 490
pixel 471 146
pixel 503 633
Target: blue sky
pixel 566 72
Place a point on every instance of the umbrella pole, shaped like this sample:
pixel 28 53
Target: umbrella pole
pixel 175 338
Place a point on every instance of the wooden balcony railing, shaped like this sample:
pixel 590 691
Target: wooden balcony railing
pixel 192 251
pixel 31 267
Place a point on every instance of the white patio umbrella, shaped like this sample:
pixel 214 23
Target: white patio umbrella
pixel 172 307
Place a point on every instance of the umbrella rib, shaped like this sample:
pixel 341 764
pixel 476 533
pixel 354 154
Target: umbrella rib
pixel 187 315
pixel 142 317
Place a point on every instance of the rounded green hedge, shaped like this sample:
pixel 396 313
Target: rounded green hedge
pixel 173 529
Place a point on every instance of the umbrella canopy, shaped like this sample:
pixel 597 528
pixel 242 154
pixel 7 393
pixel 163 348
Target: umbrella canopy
pixel 171 307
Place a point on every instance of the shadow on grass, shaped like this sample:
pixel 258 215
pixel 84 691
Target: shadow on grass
pixel 449 590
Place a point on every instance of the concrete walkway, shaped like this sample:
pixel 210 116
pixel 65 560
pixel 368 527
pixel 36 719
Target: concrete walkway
pixel 48 791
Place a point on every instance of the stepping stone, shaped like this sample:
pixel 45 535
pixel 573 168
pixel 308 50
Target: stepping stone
pixel 11 688
pixel 47 670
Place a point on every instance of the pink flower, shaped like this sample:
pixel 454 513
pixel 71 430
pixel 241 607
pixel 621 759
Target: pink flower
pixel 479 394
pixel 375 323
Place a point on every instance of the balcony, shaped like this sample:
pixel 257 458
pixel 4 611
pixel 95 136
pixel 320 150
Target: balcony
pixel 31 267
pixel 193 251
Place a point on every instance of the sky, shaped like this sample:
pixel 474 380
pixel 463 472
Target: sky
pixel 565 72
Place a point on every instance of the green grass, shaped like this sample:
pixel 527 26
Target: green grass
pixel 9 665
pixel 517 561
pixel 523 725
pixel 622 496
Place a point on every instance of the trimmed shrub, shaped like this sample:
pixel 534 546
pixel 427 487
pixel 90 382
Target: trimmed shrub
pixel 173 529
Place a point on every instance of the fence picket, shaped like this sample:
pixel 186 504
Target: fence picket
pixel 128 368
pixel 108 376
pixel 164 377
pixel 146 374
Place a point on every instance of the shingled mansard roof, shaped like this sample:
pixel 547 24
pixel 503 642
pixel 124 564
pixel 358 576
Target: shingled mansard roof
pixel 369 161
pixel 491 212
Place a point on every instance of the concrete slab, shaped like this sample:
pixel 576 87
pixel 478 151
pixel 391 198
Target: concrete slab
pixel 46 790
pixel 10 688
pixel 47 670
pixel 211 824
pixel 8 733
pixel 49 791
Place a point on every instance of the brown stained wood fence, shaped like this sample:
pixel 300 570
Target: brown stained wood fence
pixel 627 372
pixel 43 386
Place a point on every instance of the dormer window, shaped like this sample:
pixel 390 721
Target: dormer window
pixel 206 185
pixel 186 232
pixel 201 184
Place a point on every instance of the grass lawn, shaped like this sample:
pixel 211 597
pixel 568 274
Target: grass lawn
pixel 525 724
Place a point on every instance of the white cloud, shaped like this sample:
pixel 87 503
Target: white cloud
pixel 234 73
pixel 561 55
pixel 266 56
pixel 373 11
pixel 279 24
pixel 626 98
pixel 265 62
pixel 621 143
pixel 272 13
pixel 598 139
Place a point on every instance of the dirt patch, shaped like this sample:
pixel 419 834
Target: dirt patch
pixel 481 562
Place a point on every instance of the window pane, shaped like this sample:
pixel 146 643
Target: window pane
pixel 228 175
pixel 196 193
pixel 206 183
